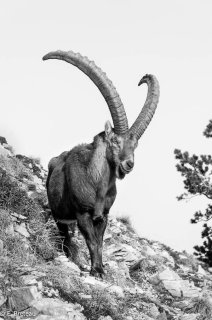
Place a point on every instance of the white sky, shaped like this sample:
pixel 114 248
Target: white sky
pixel 48 107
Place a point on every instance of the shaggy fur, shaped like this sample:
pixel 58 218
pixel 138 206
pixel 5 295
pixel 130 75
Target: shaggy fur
pixel 81 185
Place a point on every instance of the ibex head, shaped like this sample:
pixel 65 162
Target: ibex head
pixel 121 140
pixel 120 150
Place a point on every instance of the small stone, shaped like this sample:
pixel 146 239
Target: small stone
pixel 153 311
pixel 201 271
pixel 38 274
pixel 191 316
pixel 40 285
pixel 149 251
pixel 107 236
pixel 2 298
pixel 18 216
pixel 21 228
pixel 162 316
pixel 116 290
pixel 10 230
pixel 28 280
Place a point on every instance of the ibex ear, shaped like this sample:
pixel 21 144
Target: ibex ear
pixel 108 129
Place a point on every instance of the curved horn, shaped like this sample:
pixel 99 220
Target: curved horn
pixel 102 82
pixel 148 110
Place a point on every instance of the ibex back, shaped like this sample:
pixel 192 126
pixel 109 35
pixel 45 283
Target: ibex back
pixel 81 183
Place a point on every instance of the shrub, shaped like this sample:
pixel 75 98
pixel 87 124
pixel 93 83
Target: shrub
pixel 44 237
pixel 15 253
pixel 201 305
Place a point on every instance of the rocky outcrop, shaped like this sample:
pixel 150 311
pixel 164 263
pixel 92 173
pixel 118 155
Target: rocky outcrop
pixel 144 280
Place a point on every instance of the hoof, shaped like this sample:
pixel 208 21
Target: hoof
pixel 97 272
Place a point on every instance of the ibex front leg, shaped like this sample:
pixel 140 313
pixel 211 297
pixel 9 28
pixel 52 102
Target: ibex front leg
pixel 86 226
pixel 99 231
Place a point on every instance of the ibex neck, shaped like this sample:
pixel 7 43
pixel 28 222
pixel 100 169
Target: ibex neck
pixel 98 159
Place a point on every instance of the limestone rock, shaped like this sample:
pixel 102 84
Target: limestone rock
pixel 147 250
pixel 18 216
pixel 62 259
pixel 56 309
pixel 22 297
pixel 153 311
pixel 28 280
pixel 166 255
pixel 123 252
pixel 210 270
pixel 175 285
pixel 21 229
pixel 201 271
pixel 191 316
pixel 105 318
pixel 103 285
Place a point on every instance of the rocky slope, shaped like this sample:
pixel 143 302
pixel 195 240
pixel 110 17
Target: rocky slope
pixel 144 279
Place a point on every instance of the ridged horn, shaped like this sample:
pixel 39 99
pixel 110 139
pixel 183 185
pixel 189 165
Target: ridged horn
pixel 148 110
pixel 102 82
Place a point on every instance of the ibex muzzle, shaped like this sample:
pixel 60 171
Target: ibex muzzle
pixel 81 183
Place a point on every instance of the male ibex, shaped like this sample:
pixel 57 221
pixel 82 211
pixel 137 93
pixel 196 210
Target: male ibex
pixel 81 183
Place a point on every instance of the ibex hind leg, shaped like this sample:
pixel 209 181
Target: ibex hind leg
pixel 66 239
pixel 86 227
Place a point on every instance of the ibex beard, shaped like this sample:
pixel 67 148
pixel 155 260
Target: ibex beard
pixel 81 183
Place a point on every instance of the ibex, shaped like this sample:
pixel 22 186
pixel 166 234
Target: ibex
pixel 81 183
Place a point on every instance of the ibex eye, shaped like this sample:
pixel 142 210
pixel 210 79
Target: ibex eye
pixel 116 141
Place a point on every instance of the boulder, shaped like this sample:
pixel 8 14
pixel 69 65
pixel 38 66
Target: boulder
pixel 175 285
pixel 21 298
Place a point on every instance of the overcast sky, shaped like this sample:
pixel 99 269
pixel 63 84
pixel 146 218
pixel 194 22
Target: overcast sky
pixel 48 107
